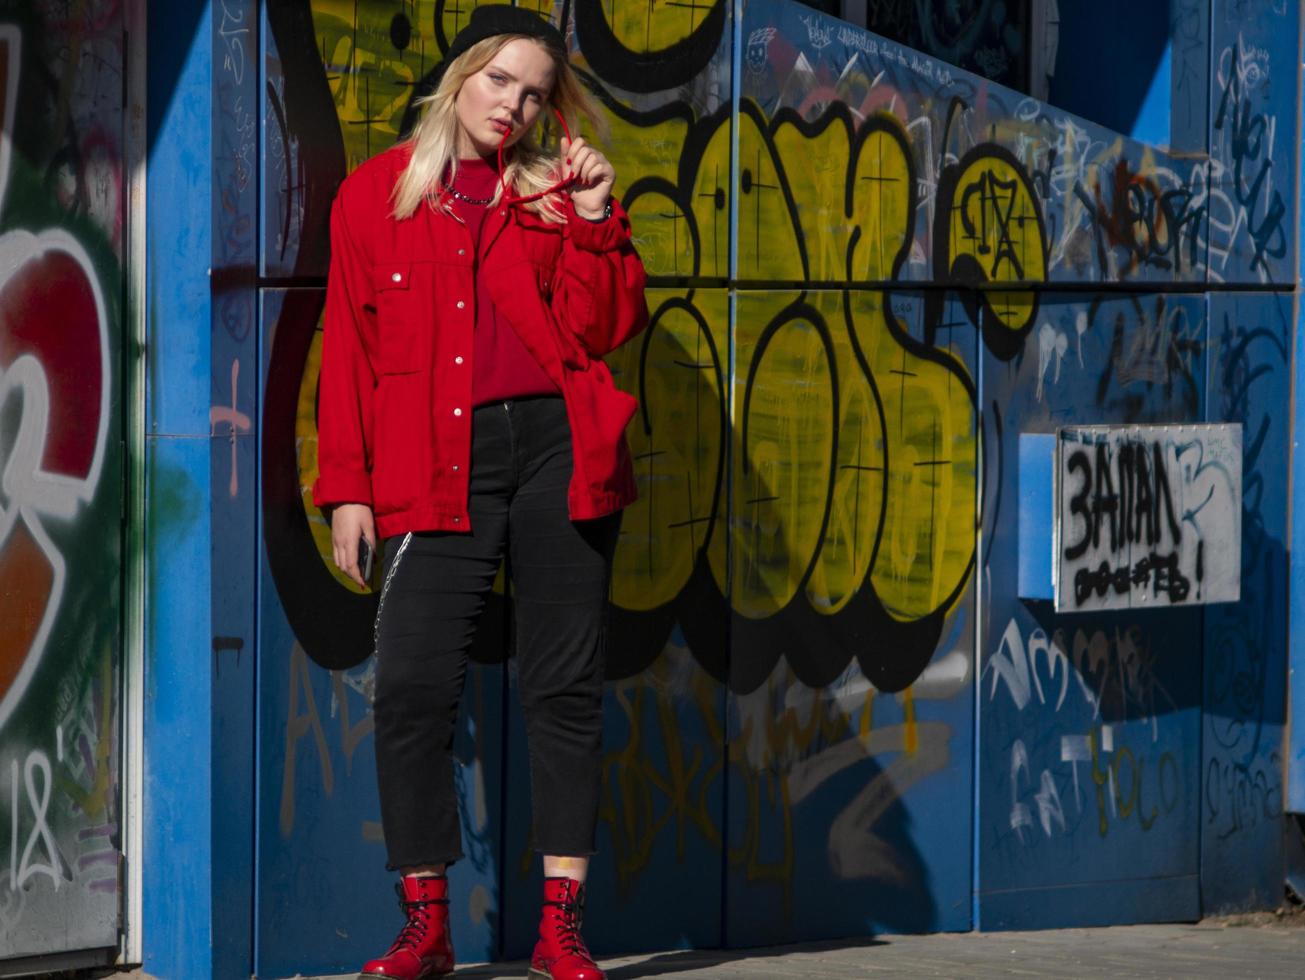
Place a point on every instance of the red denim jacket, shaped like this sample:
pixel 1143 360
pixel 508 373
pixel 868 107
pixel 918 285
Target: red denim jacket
pixel 394 415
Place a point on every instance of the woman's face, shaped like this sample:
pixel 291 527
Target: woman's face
pixel 509 93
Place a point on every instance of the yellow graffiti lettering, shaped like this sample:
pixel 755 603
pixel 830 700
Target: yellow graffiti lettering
pixel 994 234
pixel 786 434
pixel 676 444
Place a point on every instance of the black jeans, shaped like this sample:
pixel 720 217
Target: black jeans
pixel 435 587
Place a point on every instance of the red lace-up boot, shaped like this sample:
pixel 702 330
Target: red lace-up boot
pixel 423 948
pixel 560 953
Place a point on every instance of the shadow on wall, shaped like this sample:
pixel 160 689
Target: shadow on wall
pixel 810 777
pixel 1109 660
pixel 777 535
pixel 1245 714
pixel 1146 744
pixel 172 28
pixel 1112 62
pixel 1246 643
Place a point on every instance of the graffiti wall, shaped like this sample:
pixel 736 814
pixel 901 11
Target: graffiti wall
pixel 61 491
pixel 1245 644
pixel 1252 97
pixel 871 272
pixel 1089 723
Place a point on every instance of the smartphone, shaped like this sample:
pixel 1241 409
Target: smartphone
pixel 365 557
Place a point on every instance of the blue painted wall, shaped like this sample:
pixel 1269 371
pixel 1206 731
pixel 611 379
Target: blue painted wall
pixel 233 383
pixel 831 731
pixel 1089 724
pixel 177 864
pixel 1254 90
pixel 1245 643
pixel 1295 755
pixel 1114 64
pixel 998 765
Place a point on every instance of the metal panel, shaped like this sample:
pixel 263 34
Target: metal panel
pixel 177 858
pixel 1112 65
pixel 302 160
pixel 854 483
pixel 1254 99
pixel 852 517
pixel 1245 672
pixel 234 507
pixel 176 863
pixel 62 379
pixel 134 374
pixel 1161 899
pixel 1089 736
pixel 1189 81
pixel 1295 763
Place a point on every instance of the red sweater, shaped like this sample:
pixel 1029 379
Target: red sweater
pixel 501 367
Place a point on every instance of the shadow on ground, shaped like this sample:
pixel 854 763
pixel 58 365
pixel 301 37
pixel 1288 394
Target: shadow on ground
pixel 681 961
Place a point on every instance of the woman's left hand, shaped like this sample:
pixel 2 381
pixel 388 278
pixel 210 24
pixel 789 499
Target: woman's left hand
pixel 595 176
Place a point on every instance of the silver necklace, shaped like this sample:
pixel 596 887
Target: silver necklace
pixel 467 200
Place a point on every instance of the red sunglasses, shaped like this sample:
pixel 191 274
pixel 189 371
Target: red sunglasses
pixel 561 185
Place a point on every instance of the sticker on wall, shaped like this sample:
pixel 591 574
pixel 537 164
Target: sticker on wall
pixel 1147 515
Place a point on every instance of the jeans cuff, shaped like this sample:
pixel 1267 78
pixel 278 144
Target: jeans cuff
pixel 446 861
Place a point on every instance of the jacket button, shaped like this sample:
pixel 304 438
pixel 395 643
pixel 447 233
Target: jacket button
pixel 457 520
pixel 458 359
pixel 397 277
pixel 461 304
pixel 456 467
pixel 462 251
pixel 457 411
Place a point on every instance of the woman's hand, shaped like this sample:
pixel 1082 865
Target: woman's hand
pixel 349 522
pixel 595 176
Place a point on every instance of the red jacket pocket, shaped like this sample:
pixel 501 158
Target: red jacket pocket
pixel 599 441
pixel 397 318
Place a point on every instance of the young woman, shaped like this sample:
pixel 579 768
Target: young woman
pixel 465 415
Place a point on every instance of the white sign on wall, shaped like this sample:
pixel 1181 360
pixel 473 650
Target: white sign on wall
pixel 1147 516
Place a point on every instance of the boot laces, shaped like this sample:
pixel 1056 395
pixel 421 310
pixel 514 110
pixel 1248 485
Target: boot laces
pixel 414 930
pixel 568 926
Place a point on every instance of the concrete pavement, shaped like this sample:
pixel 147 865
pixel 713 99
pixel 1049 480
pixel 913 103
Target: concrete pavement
pixel 1260 946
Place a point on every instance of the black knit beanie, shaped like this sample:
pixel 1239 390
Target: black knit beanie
pixel 494 19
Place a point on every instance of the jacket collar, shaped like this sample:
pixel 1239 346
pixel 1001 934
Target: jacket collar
pixel 504 231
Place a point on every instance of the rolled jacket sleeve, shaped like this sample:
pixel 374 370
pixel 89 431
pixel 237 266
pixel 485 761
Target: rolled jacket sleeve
pixel 600 280
pixel 348 378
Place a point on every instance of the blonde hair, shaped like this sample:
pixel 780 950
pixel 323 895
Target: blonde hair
pixel 529 169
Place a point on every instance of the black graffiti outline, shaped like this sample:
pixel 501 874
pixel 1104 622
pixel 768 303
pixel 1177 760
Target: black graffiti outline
pixel 648 71
pixel 1003 341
